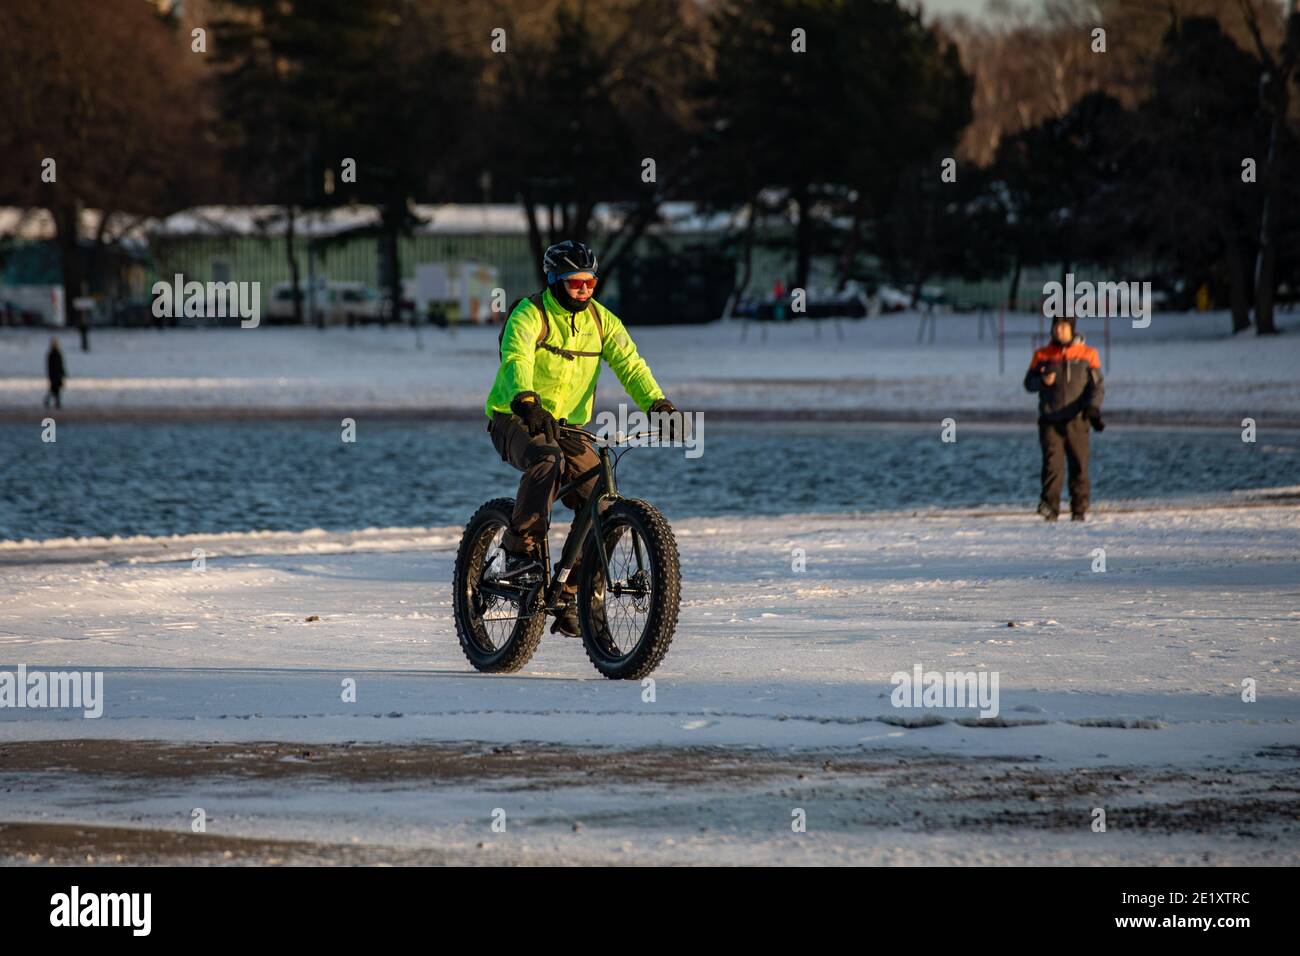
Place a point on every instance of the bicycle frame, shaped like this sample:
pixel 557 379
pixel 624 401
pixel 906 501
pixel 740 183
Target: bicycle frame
pixel 586 521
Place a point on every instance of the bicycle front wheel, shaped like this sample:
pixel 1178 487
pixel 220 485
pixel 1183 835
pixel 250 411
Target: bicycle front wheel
pixel 628 621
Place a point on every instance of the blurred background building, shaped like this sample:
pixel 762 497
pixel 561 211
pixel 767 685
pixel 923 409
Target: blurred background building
pixel 404 158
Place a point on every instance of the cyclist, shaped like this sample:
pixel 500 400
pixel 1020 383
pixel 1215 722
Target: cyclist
pixel 551 348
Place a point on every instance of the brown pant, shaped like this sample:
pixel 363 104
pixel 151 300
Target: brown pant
pixel 1062 443
pixel 546 467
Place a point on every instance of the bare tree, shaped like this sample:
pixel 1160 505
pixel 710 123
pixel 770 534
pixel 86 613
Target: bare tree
pixel 580 102
pixel 1278 72
pixel 88 127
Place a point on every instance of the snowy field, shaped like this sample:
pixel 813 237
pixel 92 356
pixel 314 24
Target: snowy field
pixel 1184 368
pixel 1119 690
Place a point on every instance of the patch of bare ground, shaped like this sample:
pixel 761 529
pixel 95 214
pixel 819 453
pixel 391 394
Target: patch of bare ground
pixel 735 792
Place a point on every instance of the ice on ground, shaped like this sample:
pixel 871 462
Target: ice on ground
pixel 1134 674
pixel 1192 603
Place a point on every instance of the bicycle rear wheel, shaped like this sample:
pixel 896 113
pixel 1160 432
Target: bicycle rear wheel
pixel 628 621
pixel 498 634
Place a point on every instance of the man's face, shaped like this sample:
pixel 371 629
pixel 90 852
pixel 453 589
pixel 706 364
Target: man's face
pixel 1062 332
pixel 580 285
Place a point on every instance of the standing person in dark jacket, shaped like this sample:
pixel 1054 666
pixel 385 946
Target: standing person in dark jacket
pixel 54 369
pixel 1066 374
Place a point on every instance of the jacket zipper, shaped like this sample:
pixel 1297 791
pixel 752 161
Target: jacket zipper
pixel 573 335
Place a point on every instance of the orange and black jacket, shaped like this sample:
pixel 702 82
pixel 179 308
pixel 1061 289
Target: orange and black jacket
pixel 1078 389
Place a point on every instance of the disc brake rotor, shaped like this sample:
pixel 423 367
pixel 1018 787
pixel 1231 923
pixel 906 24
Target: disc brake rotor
pixel 639 584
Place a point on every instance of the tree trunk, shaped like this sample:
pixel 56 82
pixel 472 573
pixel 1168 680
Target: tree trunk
pixel 580 226
pixel 1237 282
pixel 1276 86
pixel 1013 296
pixel 624 240
pixel 289 232
pixel 67 224
pixel 803 240
pixel 850 251
pixel 93 257
pixel 534 230
pixel 747 272
pixel 1267 257
pixel 394 216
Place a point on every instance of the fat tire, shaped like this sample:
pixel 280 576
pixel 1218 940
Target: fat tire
pixel 665 600
pixel 527 633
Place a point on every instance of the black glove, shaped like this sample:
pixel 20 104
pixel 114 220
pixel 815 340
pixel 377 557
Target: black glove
pixel 1094 418
pixel 538 421
pixel 674 423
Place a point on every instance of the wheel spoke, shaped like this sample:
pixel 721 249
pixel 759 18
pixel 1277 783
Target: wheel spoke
pixel 499 620
pixel 496 627
pixel 621 615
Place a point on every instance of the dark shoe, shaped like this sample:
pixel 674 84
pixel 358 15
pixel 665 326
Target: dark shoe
pixel 1048 513
pixel 566 616
pixel 1078 516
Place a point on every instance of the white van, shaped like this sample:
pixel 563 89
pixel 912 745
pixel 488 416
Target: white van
pixel 337 303
pixel 355 303
pixel 279 304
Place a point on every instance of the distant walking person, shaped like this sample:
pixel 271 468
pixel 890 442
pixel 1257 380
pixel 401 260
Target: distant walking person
pixel 1066 374
pixel 54 368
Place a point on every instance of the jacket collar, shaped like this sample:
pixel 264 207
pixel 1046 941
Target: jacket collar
pixel 553 304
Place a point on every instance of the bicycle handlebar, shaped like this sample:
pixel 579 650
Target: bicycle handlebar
pixel 597 440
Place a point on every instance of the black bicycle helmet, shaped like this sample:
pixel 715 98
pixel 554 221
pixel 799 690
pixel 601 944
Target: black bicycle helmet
pixel 567 257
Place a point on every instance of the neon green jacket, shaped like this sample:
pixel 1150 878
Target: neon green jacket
pixel 567 386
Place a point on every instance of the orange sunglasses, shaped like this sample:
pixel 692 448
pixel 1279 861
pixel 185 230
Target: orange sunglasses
pixel 580 283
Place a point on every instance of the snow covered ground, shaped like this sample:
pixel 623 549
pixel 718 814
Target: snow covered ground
pixel 1119 690
pixel 1184 368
